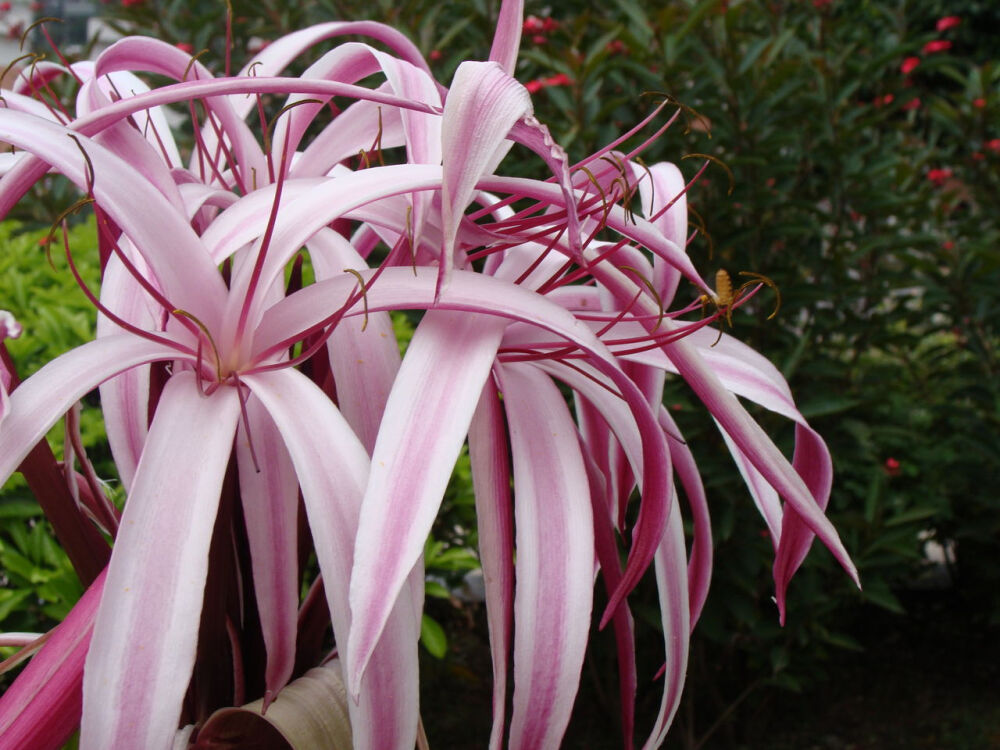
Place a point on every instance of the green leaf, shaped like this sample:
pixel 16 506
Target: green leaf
pixel 10 600
pixel 826 405
pixel 433 637
pixel 18 508
pixel 914 514
pixel 437 590
pixel 878 593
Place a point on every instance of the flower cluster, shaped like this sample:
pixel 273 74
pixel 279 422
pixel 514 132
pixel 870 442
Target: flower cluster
pixel 238 396
pixel 539 29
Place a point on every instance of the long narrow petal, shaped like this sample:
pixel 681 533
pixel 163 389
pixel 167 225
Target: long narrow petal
pixel 664 186
pixel 157 56
pixel 426 421
pixel 146 631
pixel 491 482
pixel 507 37
pixel 700 561
pixel 482 106
pixel 757 446
pixel 281 52
pixel 606 547
pixel 269 492
pixel 332 467
pixel 813 463
pixel 125 399
pixel 471 292
pixel 555 557
pixel 671 583
pixel 42 399
pixel 186 275
pixel 42 708
pixel 364 355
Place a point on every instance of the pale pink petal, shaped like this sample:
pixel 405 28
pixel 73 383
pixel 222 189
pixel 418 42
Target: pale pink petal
pixel 440 382
pixel 671 584
pixel 353 131
pixel 606 547
pixel 507 37
pixel 398 288
pixel 269 492
pixel 491 481
pixel 555 557
pixel 277 55
pixel 152 123
pixel 363 353
pixel 332 467
pixel 757 446
pixel 664 186
pixel 156 56
pixel 146 631
pixel 168 243
pixel 482 106
pixel 700 560
pixel 9 329
pixel 42 399
pixel 125 398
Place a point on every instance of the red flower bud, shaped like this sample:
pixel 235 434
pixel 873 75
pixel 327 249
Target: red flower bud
pixel 938 45
pixel 948 22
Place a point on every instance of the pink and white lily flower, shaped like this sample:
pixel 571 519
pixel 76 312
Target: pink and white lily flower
pixel 221 381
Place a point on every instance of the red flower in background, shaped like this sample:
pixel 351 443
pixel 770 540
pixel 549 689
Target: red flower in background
pixel 185 47
pixel 948 22
pixel 938 45
pixel 979 103
pixel 532 24
pixel 909 64
pixel 616 47
pixel 911 105
pixel 939 176
pixel 560 79
pixel 993 145
pixel 892 467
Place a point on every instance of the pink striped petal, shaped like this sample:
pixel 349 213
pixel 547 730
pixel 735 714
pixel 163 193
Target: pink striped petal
pixel 665 186
pixel 281 52
pixel 482 106
pixel 491 482
pixel 146 631
pixel 426 420
pixel 125 399
pixel 700 561
pixel 156 56
pixel 507 37
pixel 332 468
pixel 170 246
pixel 671 583
pixel 363 353
pixel 606 546
pixel 42 399
pixel 555 557
pixel 269 492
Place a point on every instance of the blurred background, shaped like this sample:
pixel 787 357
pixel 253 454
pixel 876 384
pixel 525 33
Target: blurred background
pixel 855 153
